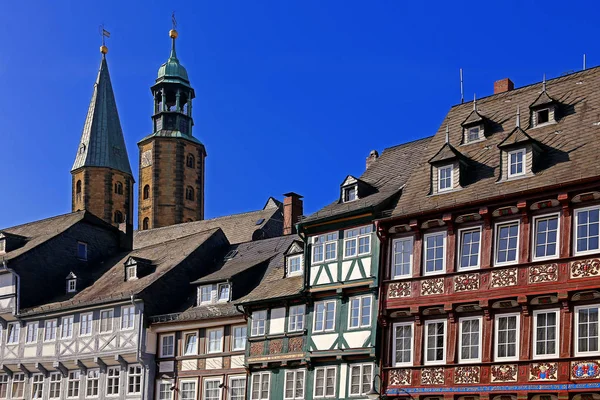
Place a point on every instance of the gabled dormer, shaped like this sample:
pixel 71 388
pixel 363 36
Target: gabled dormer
pixel 10 242
pixel 294 259
pixel 448 168
pixel 353 189
pixel 137 267
pixel 519 154
pixel 544 110
pixel 219 292
pixel 474 126
pixel 71 283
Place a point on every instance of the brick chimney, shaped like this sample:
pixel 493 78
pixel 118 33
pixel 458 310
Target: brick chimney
pixel 292 211
pixel 503 85
pixel 373 155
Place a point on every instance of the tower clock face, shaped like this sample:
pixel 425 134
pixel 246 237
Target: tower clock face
pixel 146 158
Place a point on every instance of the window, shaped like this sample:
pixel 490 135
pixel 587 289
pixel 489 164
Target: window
pixel 85 324
pixel 205 294
pixel 112 381
pixel 403 257
pixel 130 272
pixel 4 386
pixel 360 312
pixel 189 193
pixel 190 161
pixel 258 322
pixel 403 344
pixel 73 384
pixel 55 383
pixel 146 194
pixel 14 331
pixel 294 385
pixel 325 382
pixel 435 342
pixel 445 178
pixel 507 337
pixel 118 188
pixel 435 253
pixel 545 237
pixel 134 379
pixel 187 390
pixel 470 247
pixel 67 327
pixel 470 339
pixel 296 322
pixel 542 116
pixel 211 389
pixel 164 390
pixel 2 245
pixel 239 337
pixel 237 388
pixel 146 224
pixel 545 333
pixel 82 250
pixel 18 386
pixel 50 328
pixel 324 316
pixel 473 134
pixel 586 330
pixel 224 291
pixel 324 247
pixel 167 346
pixel 516 163
pixel 260 386
pixel 78 188
pixel 587 233
pixel 71 285
pixel 37 386
pixel 507 243
pixel 361 377
pixel 357 239
pixel 127 317
pixel 106 320
pixel 118 217
pixel 190 344
pixel 215 340
pixel 349 194
pixel 294 264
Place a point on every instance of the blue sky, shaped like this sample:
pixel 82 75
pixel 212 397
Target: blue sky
pixel 290 95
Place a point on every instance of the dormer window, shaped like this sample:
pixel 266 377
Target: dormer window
pixel 473 134
pixel 349 194
pixel 224 291
pixel 445 180
pixel 216 293
pixel 205 294
pixel 294 265
pixel 131 272
pixel 542 116
pixel 71 286
pixel 516 163
pixel 82 251
pixel 137 267
pixel 2 246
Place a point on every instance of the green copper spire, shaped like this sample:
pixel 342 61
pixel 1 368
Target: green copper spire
pixel 172 70
pixel 102 143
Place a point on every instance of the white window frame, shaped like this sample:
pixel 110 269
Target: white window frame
pixel 200 289
pixel 524 168
pixel 219 286
pixel 50 337
pixel 497 239
pixel 95 372
pixel 35 326
pixel 556 312
pixel 10 337
pixel 131 272
pixel 230 386
pixel 71 285
pixel 255 320
pixel 325 369
pixel 462 360
pixel 88 324
pixel 4 386
pixel 260 376
pixel 349 189
pixel 444 249
pixel 245 337
pixel 356 239
pixel 411 240
pixel 289 263
pixel 395 362
pixel 159 384
pixel 296 321
pixel 18 379
pixel 73 383
pixel 220 349
pixel 53 383
pixel 361 367
pixel 324 302
pixel 294 372
pixel 112 378
pixel 460 248
pixel 69 320
pixel 324 244
pixel 576 331
pixel 127 318
pixel 161 352
pixel 517 339
pixel 534 236
pixel 445 344
pixel 439 177
pixel 360 312
pixel 110 320
pixel 468 134
pixel 212 379
pixel 575 235
pixel 537 117
pixel 136 376
pixel 180 391
pixel 184 344
pixel 37 379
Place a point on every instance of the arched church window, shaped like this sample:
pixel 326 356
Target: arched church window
pixel 118 188
pixel 146 194
pixel 190 161
pixel 145 223
pixel 189 193
pixel 118 217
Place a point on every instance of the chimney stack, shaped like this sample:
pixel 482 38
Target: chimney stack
pixel 503 85
pixel 292 211
pixel 126 234
pixel 373 155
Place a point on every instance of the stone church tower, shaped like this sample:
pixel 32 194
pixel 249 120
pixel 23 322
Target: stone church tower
pixel 171 189
pixel 102 182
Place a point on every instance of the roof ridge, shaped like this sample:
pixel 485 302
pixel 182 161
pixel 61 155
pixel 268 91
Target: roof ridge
pixel 174 239
pixel 82 212
pixel 406 143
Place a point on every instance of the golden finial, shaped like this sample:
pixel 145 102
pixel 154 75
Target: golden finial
pixel 104 33
pixel 173 32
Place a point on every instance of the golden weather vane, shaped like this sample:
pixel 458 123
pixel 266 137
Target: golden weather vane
pixel 104 34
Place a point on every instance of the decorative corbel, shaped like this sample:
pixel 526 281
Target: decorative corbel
pixel 522 300
pixel 101 364
pixel 61 368
pixel 81 366
pixel 6 370
pixel 447 218
pixel 414 310
pixel 121 361
pixel 485 306
pixel 24 370
pixel 451 314
pixel 522 206
pixel 414 225
pixel 563 299
pixel 40 367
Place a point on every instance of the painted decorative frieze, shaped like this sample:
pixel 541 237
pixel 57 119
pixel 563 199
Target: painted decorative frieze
pixel 589 369
pixel 544 371
pixel 585 268
pixel 276 346
pixel 543 273
pixel 464 283
pixel 464 375
pixel 504 373
pixel 400 377
pixel 504 277
pixel 295 344
pixel 256 348
pixel 432 286
pixel 432 376
pixel 399 289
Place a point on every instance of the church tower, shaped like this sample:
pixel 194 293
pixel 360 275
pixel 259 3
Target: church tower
pixel 171 189
pixel 102 182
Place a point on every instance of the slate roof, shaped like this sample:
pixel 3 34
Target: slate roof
pixel 102 143
pixel 386 175
pixel 571 146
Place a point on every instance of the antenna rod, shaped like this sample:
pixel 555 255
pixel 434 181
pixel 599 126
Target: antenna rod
pixel 584 66
pixel 462 92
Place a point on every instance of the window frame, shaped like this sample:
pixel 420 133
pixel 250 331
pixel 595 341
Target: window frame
pixel 159 384
pixel 444 250
pixel 459 251
pixel 64 319
pixel 324 246
pixel 184 343
pixel 113 378
pixel 335 378
pixel 130 317
pixel 85 250
pixel 575 233
pixel 200 289
pixel 53 336
pixel 298 319
pixel 16 327
pixel 36 329
pixel 111 313
pixel 219 286
pixel 180 388
pixel 18 379
pixel 264 326
pixel 497 227
pixel 395 362
pixel 556 353
pixel 136 376
pixel 439 178
pixel 73 383
pixel 468 134
pixel 295 380
pixel 289 263
pixel 361 367
pixel 356 240
pixel 260 376
pixel 71 288
pixel 231 378
pixel 52 384
pixel 161 352
pixel 212 379
pixel 208 331
pixel 245 337
pixel 523 151
pixel 537 117
pixel 33 382
pixel 89 323
pixel 410 239
pixel 445 342
pixel 576 309
pixel 4 385
pixel 346 190
pixel 325 316
pixel 534 236
pixel 360 312
pixel 462 360
pixel 517 339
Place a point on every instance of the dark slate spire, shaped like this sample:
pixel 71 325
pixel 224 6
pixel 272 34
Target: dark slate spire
pixel 102 143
